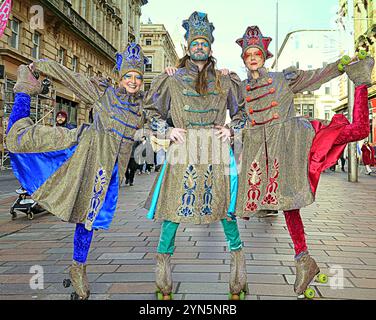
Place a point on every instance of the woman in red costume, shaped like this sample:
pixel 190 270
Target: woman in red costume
pixel 284 155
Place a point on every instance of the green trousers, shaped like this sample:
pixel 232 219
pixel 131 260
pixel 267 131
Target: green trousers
pixel 168 233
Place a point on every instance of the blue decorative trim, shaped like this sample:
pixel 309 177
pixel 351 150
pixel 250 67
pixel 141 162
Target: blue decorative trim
pixel 98 189
pixel 20 110
pixel 157 190
pixel 33 169
pixel 208 195
pixel 189 198
pixel 127 103
pixel 127 109
pixel 107 212
pixel 119 61
pixel 121 135
pixel 124 123
pixel 233 186
pixel 188 109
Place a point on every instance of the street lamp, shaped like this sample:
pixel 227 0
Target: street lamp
pixel 277 38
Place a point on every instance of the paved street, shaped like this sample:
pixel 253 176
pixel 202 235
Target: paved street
pixel 340 229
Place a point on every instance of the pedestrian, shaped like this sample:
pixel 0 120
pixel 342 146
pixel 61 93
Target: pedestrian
pixel 144 156
pixel 132 166
pixel 368 157
pixel 343 161
pixel 74 174
pixel 61 120
pixel 194 185
pixel 284 155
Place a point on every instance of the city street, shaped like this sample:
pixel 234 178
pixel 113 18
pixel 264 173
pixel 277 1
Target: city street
pixel 340 228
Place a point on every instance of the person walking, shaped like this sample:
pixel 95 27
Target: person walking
pixel 368 157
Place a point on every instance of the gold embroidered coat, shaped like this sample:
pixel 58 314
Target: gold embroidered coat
pixel 274 168
pixel 76 191
pixel 196 184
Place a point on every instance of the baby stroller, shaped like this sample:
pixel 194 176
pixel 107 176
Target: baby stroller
pixel 25 204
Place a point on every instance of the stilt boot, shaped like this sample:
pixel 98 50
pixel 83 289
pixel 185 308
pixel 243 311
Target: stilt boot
pixel 238 276
pixel 163 277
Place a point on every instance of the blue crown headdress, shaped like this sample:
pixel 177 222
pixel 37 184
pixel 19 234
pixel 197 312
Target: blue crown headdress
pixel 132 59
pixel 198 26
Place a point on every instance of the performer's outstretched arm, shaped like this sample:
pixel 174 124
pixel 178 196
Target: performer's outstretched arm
pixel 25 136
pixel 360 74
pixel 88 89
pixel 311 80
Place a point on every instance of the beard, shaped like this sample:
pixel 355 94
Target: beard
pixel 199 55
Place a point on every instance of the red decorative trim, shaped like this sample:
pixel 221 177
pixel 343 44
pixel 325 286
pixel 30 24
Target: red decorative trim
pixel 272 187
pixel 273 105
pixel 249 88
pixel 254 123
pixel 254 182
pixel 271 91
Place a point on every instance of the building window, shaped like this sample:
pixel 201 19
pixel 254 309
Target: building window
pixel 15 36
pixel 298 109
pixel 75 64
pixel 310 67
pixel 327 115
pixel 62 56
pixel 69 107
pixel 327 91
pixel 149 65
pixel 90 71
pixel 148 42
pixel 298 65
pixel 308 110
pixel 147 86
pixel 83 8
pixel 36 45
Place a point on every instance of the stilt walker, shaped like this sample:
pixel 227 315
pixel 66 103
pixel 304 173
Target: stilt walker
pixel 196 184
pixel 284 155
pixel 74 174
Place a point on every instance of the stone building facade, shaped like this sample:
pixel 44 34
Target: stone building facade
pixel 159 48
pixel 83 35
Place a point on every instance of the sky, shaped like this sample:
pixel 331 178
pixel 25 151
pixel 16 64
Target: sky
pixel 231 18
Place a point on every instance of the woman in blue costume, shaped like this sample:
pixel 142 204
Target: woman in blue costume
pixel 74 174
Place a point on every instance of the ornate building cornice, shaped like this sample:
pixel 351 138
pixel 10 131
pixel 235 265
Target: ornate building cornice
pixel 63 10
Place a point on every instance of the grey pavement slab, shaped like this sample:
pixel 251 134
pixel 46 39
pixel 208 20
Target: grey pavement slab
pixel 339 227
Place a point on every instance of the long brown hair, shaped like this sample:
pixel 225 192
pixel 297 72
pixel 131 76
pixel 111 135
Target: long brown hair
pixel 202 80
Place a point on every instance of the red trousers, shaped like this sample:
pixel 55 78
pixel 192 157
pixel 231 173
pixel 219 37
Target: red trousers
pixel 296 229
pixel 326 148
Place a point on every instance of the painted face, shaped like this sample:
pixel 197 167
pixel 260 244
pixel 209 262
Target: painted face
pixel 199 50
pixel 253 59
pixel 132 82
